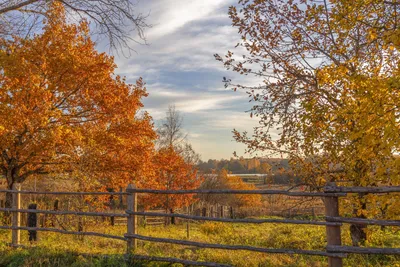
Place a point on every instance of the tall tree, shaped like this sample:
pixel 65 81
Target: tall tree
pixel 328 75
pixel 171 134
pixel 175 163
pixel 112 19
pixel 171 129
pixel 63 110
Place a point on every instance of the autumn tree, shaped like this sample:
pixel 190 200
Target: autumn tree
pixel 64 111
pixel 171 173
pixel 328 73
pixel 222 180
pixel 116 20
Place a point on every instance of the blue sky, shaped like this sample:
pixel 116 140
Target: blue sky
pixel 179 68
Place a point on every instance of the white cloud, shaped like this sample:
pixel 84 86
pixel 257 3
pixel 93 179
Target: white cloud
pixel 185 36
pixel 195 135
pixel 190 101
pixel 207 102
pixel 168 16
pixel 180 69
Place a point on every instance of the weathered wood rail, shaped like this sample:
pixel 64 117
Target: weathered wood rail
pixel 333 222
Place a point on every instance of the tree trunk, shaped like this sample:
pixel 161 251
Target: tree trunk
pixel 8 203
pixel 32 222
pixel 357 231
pixel 383 213
pixel 172 218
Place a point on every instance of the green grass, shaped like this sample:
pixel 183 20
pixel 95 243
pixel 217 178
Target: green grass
pixel 54 249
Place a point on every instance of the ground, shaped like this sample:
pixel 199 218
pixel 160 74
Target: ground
pixel 66 250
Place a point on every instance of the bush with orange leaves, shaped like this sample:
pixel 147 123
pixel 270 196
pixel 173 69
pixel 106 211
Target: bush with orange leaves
pixel 171 173
pixel 222 180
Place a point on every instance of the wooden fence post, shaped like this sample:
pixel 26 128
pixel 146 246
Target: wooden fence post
pixel 132 219
pixel 80 228
pixel 173 221
pixel 121 200
pixel 187 229
pixel 16 215
pixel 32 222
pixel 333 232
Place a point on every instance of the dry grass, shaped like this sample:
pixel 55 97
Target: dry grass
pixel 66 248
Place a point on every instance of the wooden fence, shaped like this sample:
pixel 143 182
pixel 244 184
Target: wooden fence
pixel 333 222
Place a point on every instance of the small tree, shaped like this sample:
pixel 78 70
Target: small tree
pixel 265 169
pixel 171 173
pixel 221 180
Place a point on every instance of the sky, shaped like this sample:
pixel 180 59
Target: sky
pixel 179 69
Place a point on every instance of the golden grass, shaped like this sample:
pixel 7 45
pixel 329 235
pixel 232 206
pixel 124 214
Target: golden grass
pixel 56 246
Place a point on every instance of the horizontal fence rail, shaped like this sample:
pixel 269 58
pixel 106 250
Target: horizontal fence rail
pixel 56 230
pixel 363 221
pixel 65 193
pixel 358 189
pixel 333 221
pixel 65 212
pixel 175 260
pixel 239 192
pixel 358 250
pixel 255 221
pixel 235 247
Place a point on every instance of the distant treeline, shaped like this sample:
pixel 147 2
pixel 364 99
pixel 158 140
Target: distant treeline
pixel 277 170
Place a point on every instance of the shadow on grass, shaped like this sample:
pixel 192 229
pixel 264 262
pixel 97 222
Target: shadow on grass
pixel 39 256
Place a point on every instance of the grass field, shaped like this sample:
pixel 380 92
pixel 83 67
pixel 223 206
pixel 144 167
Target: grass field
pixel 66 250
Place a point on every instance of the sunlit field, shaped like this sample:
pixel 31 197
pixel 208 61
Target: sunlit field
pixel 66 250
pixel 158 119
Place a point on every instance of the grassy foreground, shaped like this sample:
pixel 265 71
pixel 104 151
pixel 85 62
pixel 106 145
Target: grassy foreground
pixel 54 249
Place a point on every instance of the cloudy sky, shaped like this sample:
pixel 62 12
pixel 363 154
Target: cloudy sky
pixel 179 68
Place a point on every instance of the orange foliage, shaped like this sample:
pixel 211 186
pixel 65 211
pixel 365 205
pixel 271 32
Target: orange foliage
pixel 235 182
pixel 171 173
pixel 64 111
pixel 222 180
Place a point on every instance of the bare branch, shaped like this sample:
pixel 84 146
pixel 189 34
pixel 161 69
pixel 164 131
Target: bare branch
pixel 115 20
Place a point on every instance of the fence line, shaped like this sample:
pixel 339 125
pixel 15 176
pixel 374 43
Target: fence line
pixel 359 189
pixel 334 250
pixel 239 192
pixel 64 193
pixel 363 221
pixel 61 212
pixel 358 250
pixel 235 247
pixel 255 221
pixel 56 230
pixel 175 260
